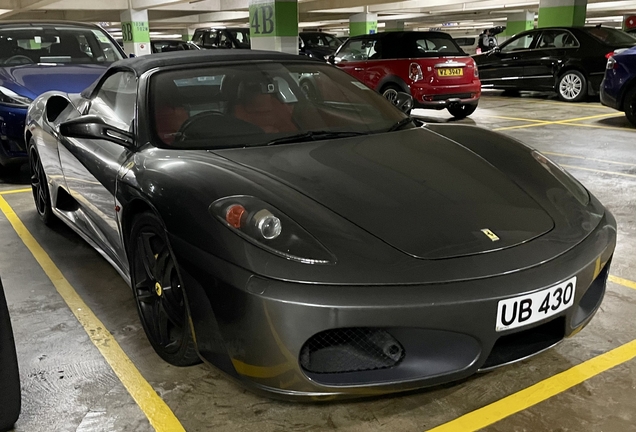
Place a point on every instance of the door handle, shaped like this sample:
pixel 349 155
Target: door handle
pixel 358 69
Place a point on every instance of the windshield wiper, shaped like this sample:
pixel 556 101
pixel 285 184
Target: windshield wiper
pixel 313 136
pixel 401 124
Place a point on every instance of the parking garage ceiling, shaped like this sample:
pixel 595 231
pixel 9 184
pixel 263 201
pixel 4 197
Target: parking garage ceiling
pixel 174 17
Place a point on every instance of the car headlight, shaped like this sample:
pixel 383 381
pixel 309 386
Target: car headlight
pixel 573 185
pixel 268 228
pixel 9 97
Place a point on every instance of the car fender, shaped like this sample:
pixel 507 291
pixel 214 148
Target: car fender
pixel 624 90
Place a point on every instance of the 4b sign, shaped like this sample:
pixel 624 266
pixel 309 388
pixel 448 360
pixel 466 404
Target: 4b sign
pixel 262 19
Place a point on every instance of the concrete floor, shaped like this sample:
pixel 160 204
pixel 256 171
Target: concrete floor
pixel 68 386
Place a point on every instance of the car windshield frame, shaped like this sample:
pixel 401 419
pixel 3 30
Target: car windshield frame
pixel 248 135
pixel 56 44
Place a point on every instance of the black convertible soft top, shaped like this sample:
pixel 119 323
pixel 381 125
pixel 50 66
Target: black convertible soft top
pixel 175 58
pixel 146 63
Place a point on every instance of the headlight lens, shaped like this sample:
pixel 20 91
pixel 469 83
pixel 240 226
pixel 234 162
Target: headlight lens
pixel 573 185
pixel 270 229
pixel 9 97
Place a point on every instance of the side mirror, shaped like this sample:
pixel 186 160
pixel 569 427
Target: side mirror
pixel 332 59
pixel 94 127
pixel 404 102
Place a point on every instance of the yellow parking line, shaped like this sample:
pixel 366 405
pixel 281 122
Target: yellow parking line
pixel 624 282
pixel 518 119
pixel 540 391
pixel 588 158
pixel 549 102
pixel 14 191
pixel 598 116
pixel 599 171
pixel 523 126
pixel 159 414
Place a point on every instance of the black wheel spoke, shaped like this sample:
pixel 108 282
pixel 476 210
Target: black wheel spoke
pixel 147 297
pixel 172 312
pixel 162 323
pixel 147 255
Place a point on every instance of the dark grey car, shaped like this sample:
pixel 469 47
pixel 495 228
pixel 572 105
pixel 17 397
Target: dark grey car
pixel 324 246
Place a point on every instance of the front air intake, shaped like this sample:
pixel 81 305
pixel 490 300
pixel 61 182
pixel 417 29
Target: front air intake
pixel 350 350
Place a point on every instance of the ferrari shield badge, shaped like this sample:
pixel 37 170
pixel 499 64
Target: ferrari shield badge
pixel 491 235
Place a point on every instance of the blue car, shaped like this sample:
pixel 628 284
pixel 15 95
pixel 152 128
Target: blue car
pixel 36 57
pixel 618 89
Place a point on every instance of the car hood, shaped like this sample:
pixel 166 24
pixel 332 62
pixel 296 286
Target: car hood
pixel 33 80
pixel 417 191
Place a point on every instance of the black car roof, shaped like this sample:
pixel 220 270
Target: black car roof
pixel 145 63
pixel 19 23
pixel 397 34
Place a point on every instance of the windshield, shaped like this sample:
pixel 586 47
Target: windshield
pixel 611 36
pixel 53 44
pixel 256 104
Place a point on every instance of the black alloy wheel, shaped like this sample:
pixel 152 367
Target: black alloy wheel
pixel 39 186
pixel 159 293
pixel 629 106
pixel 462 111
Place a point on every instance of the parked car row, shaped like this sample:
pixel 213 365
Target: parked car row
pixel 568 60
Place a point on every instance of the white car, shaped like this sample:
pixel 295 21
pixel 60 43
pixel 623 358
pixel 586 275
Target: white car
pixel 470 44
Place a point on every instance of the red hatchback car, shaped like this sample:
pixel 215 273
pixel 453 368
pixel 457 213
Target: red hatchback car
pixel 429 66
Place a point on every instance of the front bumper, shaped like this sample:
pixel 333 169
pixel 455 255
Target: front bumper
pixel 12 146
pixel 255 329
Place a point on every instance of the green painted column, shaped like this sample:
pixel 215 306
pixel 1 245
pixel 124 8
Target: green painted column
pixel 135 32
pixel 363 23
pixel 562 13
pixel 186 34
pixel 274 25
pixel 519 22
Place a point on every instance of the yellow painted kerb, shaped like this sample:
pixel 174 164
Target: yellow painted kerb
pixel 159 414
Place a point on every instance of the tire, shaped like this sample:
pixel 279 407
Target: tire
pixel 572 86
pixel 159 292
pixel 390 92
pixel 462 111
pixel 10 397
pixel 39 186
pixel 629 105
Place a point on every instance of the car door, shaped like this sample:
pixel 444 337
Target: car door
pixel 352 57
pixel 91 166
pixel 552 48
pixel 503 67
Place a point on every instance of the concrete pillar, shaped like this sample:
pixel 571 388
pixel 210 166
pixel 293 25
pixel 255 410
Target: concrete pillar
pixel 187 33
pixel 629 22
pixel 562 13
pixel 135 32
pixel 393 25
pixel 519 22
pixel 274 25
pixel 363 23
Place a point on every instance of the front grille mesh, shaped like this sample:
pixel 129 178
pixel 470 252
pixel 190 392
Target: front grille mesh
pixel 350 350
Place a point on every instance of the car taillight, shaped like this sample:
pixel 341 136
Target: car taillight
pixel 609 55
pixel 415 72
pixel 476 72
pixel 611 64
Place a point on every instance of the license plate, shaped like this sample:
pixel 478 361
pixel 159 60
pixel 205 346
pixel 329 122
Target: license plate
pixel 530 308
pixel 450 72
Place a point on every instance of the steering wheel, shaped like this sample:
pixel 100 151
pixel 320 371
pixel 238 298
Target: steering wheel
pixel 21 60
pixel 198 119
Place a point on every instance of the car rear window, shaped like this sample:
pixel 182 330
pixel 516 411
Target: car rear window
pixel 611 36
